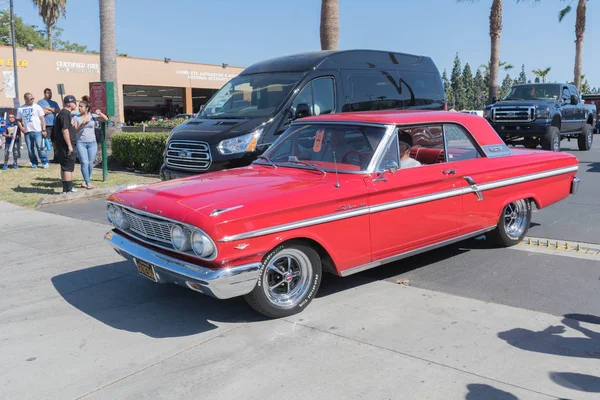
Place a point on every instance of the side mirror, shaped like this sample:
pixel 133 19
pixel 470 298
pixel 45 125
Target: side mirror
pixel 302 110
pixel 391 167
pixel 574 99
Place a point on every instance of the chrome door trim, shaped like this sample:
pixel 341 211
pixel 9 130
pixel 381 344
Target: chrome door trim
pixel 406 254
pixel 398 204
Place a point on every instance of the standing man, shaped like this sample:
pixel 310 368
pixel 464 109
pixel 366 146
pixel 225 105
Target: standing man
pixel 30 118
pixel 65 137
pixel 50 108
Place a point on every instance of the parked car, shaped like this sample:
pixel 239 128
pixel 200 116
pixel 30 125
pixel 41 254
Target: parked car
pixel 542 114
pixel 332 196
pixel 252 110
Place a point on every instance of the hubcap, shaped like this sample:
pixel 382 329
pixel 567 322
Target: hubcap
pixel 515 219
pixel 590 138
pixel 555 143
pixel 287 278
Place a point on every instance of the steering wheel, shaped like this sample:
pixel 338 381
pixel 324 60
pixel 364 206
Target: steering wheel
pixel 354 161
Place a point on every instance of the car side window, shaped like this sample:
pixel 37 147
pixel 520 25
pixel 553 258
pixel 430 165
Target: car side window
pixel 318 95
pixel 567 94
pixel 574 93
pixel 390 155
pixel 459 144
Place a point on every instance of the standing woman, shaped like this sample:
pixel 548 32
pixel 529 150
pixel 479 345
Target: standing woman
pixel 87 147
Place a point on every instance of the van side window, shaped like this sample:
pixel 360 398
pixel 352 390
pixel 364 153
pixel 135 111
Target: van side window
pixel 459 144
pixel 318 95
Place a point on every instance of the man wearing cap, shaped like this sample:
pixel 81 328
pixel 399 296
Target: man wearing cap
pixel 65 137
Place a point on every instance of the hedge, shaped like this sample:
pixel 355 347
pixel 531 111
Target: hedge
pixel 140 150
pixel 169 123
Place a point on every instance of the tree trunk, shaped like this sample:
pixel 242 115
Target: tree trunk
pixel 108 61
pixel 495 32
pixel 49 32
pixel 579 32
pixel 330 24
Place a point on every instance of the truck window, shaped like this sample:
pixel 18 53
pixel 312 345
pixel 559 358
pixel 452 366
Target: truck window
pixel 319 95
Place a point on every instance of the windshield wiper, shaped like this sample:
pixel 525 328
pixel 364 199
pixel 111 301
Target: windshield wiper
pixel 268 160
pixel 295 160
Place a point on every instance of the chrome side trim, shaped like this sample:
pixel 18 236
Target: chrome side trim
pixel 223 283
pixel 296 225
pixel 399 204
pixel 219 211
pixel 406 254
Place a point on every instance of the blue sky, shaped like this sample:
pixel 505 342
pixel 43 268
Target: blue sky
pixel 240 32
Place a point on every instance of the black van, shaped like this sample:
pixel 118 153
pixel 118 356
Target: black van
pixel 246 115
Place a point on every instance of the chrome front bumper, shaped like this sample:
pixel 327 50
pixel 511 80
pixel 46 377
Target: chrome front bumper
pixel 222 283
pixel 575 185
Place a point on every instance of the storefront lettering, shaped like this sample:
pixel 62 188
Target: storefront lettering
pixel 9 63
pixel 206 76
pixel 68 66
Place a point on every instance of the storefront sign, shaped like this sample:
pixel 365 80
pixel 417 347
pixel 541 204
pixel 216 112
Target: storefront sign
pixel 68 66
pixel 206 76
pixel 9 63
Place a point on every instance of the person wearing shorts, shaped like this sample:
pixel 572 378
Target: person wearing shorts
pixel 65 136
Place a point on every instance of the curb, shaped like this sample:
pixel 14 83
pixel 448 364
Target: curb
pixel 81 194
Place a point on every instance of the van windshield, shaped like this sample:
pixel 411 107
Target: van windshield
pixel 251 96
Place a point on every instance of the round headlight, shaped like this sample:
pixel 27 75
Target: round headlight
pixel 202 245
pixel 110 213
pixel 180 238
pixel 119 219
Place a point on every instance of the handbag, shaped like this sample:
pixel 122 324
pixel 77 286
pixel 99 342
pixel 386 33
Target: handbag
pixel 98 131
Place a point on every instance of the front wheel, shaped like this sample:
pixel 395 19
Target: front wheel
pixel 551 140
pixel 289 278
pixel 585 138
pixel 513 224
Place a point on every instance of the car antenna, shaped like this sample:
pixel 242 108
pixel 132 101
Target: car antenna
pixel 337 182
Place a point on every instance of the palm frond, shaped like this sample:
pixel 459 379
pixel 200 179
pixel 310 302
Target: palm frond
pixel 562 13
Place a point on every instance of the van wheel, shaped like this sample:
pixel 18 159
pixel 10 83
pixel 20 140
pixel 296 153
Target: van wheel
pixel 585 138
pixel 513 224
pixel 289 278
pixel 551 140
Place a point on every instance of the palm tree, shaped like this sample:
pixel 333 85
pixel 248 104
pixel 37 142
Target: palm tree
pixel 542 73
pixel 579 32
pixel 108 59
pixel 50 11
pixel 330 24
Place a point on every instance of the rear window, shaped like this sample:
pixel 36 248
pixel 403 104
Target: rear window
pixel 384 90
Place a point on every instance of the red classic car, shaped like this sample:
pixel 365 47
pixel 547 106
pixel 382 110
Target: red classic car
pixel 340 194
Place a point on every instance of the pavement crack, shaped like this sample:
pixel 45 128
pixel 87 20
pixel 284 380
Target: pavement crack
pixel 420 358
pixel 159 361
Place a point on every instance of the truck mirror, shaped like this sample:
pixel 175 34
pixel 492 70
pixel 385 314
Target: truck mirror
pixel 574 99
pixel 302 110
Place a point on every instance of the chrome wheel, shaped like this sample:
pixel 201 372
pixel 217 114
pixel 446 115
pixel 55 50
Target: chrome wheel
pixel 590 138
pixel 288 278
pixel 555 143
pixel 516 219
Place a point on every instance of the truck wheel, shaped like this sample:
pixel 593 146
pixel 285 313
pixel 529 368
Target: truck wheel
pixel 289 278
pixel 551 140
pixel 513 224
pixel 585 138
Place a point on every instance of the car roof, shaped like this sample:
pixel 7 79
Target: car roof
pixel 348 59
pixel 397 117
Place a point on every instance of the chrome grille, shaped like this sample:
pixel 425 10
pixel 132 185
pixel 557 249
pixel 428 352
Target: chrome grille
pixel 513 114
pixel 189 155
pixel 148 227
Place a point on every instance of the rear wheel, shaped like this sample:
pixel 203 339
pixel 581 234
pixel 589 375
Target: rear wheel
pixel 585 138
pixel 551 140
pixel 513 224
pixel 289 278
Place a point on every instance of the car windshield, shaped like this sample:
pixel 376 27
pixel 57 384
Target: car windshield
pixel 342 148
pixel 533 92
pixel 251 96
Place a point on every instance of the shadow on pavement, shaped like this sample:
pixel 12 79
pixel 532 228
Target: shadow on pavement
pixel 593 166
pixel 127 301
pixel 487 392
pixel 581 382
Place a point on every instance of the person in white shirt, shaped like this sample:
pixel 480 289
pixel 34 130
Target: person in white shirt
pixel 405 160
pixel 32 123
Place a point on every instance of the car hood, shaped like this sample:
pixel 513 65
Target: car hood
pixel 213 131
pixel 246 195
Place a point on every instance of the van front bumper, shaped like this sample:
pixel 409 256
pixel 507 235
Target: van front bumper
pixel 223 283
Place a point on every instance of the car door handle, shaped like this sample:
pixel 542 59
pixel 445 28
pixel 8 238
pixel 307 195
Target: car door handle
pixel 474 187
pixel 450 171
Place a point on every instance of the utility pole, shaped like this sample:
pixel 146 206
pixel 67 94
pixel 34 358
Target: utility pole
pixel 14 49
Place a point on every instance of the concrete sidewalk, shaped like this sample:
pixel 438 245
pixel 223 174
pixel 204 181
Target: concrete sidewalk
pixel 78 322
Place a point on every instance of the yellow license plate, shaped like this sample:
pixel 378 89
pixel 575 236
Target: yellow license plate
pixel 146 269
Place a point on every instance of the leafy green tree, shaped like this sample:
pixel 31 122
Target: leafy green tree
pixel 50 11
pixel 457 84
pixel 541 74
pixel 25 34
pixel 537 79
pixel 522 75
pixel 480 90
pixel 447 89
pixel 507 83
pixel 469 84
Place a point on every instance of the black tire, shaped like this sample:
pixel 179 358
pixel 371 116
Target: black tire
pixel 551 140
pixel 513 224
pixel 292 267
pixel 585 138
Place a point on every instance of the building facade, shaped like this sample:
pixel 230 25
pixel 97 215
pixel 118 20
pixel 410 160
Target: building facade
pixel 148 88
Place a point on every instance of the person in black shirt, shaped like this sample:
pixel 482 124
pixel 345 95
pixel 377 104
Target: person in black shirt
pixel 65 137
